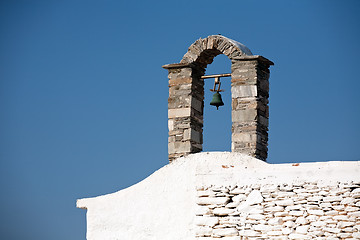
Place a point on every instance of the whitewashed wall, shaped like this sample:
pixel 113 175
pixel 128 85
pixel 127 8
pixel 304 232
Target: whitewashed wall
pixel 232 196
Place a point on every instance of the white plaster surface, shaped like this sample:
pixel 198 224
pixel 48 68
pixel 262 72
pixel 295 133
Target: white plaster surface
pixel 159 207
pixel 163 206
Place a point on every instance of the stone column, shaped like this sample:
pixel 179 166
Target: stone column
pixel 250 110
pixel 185 109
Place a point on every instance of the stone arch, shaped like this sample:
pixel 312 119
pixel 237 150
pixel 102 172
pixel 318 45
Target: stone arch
pixel 203 51
pixel 249 93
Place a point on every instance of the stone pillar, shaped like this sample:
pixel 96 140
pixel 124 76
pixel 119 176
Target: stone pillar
pixel 185 109
pixel 250 110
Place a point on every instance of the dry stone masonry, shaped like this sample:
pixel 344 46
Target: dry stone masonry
pixel 304 210
pixel 249 90
pixel 232 196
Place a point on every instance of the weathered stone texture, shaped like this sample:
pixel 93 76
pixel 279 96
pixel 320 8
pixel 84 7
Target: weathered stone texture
pixel 185 110
pixel 250 92
pixel 302 211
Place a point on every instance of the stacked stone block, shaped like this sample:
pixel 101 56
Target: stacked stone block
pixel 250 92
pixel 250 110
pixel 185 110
pixel 305 210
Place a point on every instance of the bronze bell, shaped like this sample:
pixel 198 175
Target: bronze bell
pixel 217 101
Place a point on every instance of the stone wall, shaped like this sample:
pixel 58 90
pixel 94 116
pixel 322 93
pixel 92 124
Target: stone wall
pixel 249 90
pixel 232 196
pixel 304 210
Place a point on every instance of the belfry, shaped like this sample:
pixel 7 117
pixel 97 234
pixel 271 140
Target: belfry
pixel 249 90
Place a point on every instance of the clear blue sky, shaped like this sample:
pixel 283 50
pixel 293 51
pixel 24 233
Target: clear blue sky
pixel 83 97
